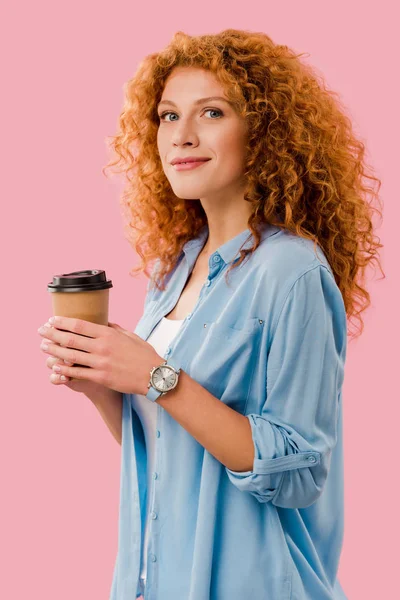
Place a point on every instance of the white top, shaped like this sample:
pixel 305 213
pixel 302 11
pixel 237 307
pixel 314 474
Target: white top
pixel 160 338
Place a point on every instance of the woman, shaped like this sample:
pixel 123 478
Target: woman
pixel 232 453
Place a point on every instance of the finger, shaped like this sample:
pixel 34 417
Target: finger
pixel 80 327
pixel 55 379
pixel 85 373
pixel 53 360
pixel 70 356
pixel 66 339
pixel 58 379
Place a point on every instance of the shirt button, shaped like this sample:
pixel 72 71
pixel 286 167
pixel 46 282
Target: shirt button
pixel 154 515
pixel 158 433
pixel 155 475
pixel 189 316
pixel 311 459
pixel 153 558
pixel 216 258
pixel 168 352
pixel 208 282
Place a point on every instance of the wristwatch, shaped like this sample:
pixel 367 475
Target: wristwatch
pixel 162 379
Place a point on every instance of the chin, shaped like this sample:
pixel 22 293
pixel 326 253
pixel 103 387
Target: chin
pixel 188 195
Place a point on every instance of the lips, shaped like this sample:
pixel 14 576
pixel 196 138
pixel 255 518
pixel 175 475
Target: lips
pixel 186 162
pixel 189 159
pixel 188 166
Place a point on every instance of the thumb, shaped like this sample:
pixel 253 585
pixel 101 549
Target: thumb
pixel 119 328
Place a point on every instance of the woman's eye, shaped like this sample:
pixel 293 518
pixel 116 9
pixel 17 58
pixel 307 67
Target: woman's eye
pixel 163 115
pixel 213 110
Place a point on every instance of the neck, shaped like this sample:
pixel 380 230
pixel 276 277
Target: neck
pixel 220 234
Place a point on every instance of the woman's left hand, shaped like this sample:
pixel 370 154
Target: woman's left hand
pixel 117 358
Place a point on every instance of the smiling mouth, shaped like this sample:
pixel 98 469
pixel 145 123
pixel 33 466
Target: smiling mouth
pixel 188 166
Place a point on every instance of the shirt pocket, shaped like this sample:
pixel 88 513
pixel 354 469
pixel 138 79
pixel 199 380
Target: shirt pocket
pixel 248 326
pixel 225 360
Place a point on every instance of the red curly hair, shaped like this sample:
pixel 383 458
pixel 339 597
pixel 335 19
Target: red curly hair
pixel 313 183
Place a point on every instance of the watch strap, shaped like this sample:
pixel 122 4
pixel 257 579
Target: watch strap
pixel 153 394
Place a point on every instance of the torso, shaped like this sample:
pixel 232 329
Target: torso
pixel 190 294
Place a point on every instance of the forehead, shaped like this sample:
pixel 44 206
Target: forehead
pixel 192 83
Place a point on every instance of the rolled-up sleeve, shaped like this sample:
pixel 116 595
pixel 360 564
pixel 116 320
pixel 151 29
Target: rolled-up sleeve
pixel 295 433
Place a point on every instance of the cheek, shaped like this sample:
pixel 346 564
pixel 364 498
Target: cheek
pixel 162 139
pixel 232 156
pixel 232 143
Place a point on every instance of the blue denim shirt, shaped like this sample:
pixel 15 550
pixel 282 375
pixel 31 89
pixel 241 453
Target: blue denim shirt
pixel 271 344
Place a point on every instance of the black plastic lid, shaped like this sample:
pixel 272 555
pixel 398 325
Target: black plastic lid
pixel 80 281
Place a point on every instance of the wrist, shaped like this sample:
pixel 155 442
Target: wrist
pixel 163 378
pixel 156 361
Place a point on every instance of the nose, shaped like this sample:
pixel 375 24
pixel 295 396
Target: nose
pixel 184 134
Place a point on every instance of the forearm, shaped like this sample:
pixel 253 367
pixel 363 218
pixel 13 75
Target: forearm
pixel 109 404
pixel 224 432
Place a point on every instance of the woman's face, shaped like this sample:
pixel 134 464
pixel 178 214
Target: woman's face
pixel 211 129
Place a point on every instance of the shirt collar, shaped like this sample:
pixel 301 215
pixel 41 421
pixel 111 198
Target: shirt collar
pixel 230 250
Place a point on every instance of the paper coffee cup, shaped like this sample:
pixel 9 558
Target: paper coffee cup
pixel 81 295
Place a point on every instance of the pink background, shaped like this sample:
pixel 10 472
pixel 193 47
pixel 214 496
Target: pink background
pixel 64 66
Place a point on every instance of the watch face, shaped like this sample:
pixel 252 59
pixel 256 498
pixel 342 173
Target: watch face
pixel 163 378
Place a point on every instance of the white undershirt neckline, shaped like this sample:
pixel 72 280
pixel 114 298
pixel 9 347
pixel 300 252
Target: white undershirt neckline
pixel 174 320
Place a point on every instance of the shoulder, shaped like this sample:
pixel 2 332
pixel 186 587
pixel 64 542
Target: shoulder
pixel 287 256
pixel 286 265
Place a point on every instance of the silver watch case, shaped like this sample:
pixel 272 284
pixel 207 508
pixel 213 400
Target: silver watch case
pixel 157 371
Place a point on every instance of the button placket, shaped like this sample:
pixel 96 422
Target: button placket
pixel 154 502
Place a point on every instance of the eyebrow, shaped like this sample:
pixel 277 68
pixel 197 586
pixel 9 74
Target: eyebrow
pixel 200 101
